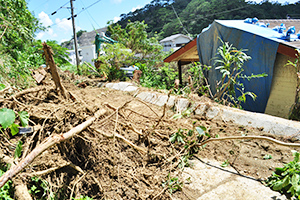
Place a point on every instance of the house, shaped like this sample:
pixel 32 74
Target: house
pixel 72 56
pixel 174 42
pixel 86 44
pixel 270 53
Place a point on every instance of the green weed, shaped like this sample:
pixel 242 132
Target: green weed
pixel 287 178
pixel 173 184
pixel 230 66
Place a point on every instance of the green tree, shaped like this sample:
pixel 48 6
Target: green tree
pixel 134 37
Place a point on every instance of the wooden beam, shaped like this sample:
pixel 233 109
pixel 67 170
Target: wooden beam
pixel 286 50
pixel 181 51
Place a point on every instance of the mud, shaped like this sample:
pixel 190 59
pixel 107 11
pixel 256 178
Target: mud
pixel 106 167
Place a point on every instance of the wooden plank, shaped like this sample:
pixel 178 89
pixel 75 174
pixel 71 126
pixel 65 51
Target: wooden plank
pixel 174 56
pixel 286 50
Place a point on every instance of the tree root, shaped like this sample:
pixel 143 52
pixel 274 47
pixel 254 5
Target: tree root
pixel 252 138
pixel 50 141
pixel 123 139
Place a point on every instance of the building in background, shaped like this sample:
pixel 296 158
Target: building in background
pixel 174 42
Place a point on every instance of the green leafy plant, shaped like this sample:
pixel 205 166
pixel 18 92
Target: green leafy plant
pixel 287 178
pixel 7 190
pixel 268 157
pixel 40 189
pixel 8 117
pixel 225 163
pixel 18 151
pixel 230 65
pixel 198 81
pixel 173 184
pixel 178 136
pixel 184 114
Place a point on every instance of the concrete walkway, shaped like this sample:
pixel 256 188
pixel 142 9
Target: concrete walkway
pixel 207 180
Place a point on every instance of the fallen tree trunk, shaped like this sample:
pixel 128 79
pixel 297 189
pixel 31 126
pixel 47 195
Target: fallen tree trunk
pixel 50 141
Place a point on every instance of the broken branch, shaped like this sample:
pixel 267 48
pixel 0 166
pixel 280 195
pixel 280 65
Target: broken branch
pixel 50 141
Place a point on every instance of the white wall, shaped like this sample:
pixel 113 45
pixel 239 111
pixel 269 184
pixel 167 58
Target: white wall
pixel 88 53
pixel 72 56
pixel 174 44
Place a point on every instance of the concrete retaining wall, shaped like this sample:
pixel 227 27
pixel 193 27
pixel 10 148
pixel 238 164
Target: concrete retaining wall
pixel 267 123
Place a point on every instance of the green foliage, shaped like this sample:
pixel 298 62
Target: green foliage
pixel 160 78
pixel 24 117
pixel 7 190
pixel 178 136
pixel 18 151
pixel 134 37
pixel 225 163
pixel 2 86
pixel 173 184
pixel 8 117
pixel 198 14
pixel 230 66
pixel 268 157
pixel 40 189
pixel 189 138
pixel 183 114
pixel 19 51
pixel 287 178
pixel 116 55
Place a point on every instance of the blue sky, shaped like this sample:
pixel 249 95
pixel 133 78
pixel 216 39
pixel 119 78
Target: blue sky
pixel 96 16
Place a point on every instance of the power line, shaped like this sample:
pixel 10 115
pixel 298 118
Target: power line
pixel 41 4
pixel 180 21
pixel 53 13
pixel 226 11
pixel 90 15
pixel 83 9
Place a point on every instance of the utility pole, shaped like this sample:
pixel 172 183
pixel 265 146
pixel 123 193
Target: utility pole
pixel 75 37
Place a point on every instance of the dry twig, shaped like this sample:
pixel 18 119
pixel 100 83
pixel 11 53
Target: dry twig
pixel 50 141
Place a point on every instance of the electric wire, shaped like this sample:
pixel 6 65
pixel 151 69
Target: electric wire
pixel 180 21
pixel 83 9
pixel 41 4
pixel 225 11
pixel 90 15
pixel 53 13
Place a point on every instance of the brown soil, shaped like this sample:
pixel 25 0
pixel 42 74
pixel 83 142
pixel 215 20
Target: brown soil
pixel 112 169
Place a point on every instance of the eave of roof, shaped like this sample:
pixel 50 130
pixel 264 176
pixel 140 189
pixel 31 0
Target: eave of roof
pixel 187 53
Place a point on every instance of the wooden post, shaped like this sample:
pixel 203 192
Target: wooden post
pixel 50 62
pixel 75 37
pixel 180 73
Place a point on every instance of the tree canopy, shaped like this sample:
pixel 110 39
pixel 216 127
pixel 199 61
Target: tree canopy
pixel 160 15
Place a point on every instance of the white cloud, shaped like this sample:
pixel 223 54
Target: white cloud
pixel 63 40
pixel 116 19
pixel 40 35
pixel 117 1
pixel 45 19
pixel 78 28
pixel 64 24
pixel 135 8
